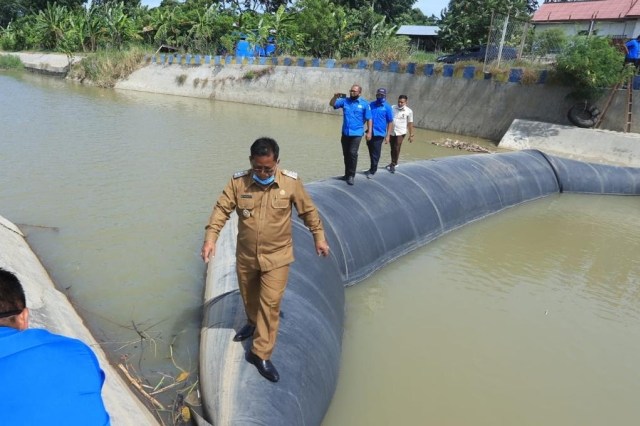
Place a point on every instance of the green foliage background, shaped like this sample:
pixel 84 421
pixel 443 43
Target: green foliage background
pixel 340 28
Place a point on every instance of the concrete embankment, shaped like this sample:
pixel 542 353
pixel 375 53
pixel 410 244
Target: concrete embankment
pixel 51 309
pixel 482 108
pixel 46 63
pixel 592 145
pixel 455 105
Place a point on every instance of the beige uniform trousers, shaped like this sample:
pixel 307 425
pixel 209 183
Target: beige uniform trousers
pixel 261 293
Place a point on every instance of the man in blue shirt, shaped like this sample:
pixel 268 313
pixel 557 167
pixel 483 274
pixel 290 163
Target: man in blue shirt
pixel 46 379
pixel 382 118
pixel 356 114
pixel 632 48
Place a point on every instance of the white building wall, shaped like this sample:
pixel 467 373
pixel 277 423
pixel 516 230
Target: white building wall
pixel 628 29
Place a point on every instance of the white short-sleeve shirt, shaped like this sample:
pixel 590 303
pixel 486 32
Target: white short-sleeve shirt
pixel 401 119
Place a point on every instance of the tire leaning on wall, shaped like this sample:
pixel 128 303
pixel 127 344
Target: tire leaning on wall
pixel 583 115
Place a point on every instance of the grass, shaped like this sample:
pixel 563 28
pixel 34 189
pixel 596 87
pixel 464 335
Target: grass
pixel 9 62
pixel 104 68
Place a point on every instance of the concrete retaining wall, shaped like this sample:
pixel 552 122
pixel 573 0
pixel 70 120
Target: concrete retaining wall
pixel 483 108
pixel 454 102
pixel 51 309
pixel 592 145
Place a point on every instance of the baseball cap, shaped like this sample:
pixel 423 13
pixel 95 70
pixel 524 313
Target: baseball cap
pixel 381 91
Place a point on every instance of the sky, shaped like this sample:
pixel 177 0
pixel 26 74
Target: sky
pixel 431 7
pixel 428 7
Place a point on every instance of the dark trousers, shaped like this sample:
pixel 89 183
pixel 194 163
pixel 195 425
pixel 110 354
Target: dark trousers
pixel 396 144
pixel 375 146
pixel 350 146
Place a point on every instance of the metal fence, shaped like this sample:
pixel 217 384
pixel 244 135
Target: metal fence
pixel 506 40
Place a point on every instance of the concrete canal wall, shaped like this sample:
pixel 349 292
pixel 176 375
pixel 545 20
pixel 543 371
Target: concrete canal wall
pixel 51 309
pixel 453 100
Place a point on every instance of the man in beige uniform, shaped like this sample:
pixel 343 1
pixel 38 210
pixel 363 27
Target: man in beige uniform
pixel 262 197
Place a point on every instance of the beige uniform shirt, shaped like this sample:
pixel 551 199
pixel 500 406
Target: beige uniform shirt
pixel 264 218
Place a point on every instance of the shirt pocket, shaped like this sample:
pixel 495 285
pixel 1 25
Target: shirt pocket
pixel 280 202
pixel 245 204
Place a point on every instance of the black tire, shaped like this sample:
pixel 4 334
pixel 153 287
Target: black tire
pixel 583 115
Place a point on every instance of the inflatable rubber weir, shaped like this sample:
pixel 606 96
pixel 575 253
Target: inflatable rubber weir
pixel 368 225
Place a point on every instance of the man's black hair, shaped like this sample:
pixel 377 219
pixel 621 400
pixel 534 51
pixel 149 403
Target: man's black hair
pixel 403 97
pixel 265 146
pixel 12 300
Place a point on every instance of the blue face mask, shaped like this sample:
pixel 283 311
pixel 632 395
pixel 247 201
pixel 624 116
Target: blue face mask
pixel 267 181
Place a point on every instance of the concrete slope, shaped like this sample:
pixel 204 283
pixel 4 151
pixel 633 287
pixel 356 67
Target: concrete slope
pixel 368 225
pixel 593 145
pixel 51 309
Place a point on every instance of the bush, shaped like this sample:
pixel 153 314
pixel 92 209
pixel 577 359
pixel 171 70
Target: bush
pixel 105 68
pixel 10 62
pixel 389 49
pixel 590 65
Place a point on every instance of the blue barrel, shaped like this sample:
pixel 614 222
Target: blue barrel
pixel 542 78
pixel 515 75
pixel 469 72
pixel 428 69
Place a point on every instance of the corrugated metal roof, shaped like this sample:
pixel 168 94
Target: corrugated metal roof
pixel 418 30
pixel 587 10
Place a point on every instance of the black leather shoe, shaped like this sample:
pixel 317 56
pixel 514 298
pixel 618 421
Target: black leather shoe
pixel 245 332
pixel 264 366
pixel 350 180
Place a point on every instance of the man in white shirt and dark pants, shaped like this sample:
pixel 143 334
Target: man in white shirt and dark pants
pixel 402 121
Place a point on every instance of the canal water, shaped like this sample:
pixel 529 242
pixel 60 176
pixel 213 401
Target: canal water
pixel 529 316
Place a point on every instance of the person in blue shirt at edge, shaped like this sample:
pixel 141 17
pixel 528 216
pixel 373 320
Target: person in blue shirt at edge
pixel 632 49
pixel 356 115
pixel 382 118
pixel 243 48
pixel 47 379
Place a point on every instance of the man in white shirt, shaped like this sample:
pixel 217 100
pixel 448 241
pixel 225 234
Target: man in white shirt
pixel 402 121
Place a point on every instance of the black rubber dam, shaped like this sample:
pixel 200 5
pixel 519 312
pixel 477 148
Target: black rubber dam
pixel 368 225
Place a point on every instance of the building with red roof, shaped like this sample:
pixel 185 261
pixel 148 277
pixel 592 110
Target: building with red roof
pixel 616 18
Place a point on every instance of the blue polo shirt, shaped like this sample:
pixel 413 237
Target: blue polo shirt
pixel 47 379
pixel 382 115
pixel 634 49
pixel 355 114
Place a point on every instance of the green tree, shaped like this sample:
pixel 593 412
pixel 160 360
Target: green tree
pixel 50 26
pixel 416 17
pixel 589 65
pixel 323 27
pixel 391 9
pixel 466 22
pixel 10 10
